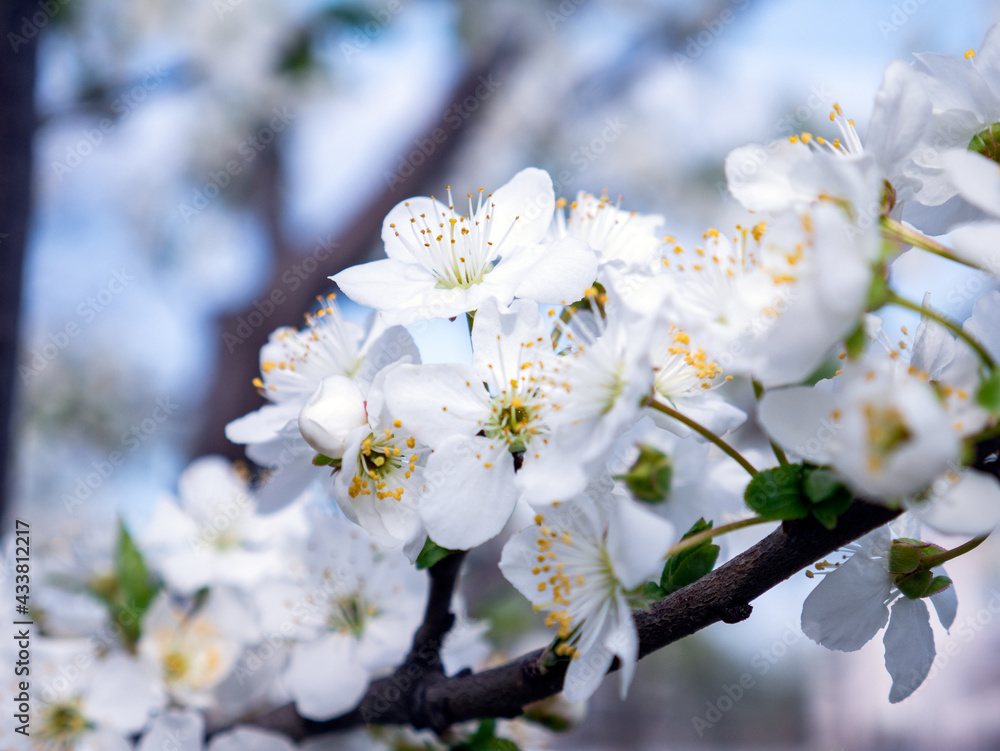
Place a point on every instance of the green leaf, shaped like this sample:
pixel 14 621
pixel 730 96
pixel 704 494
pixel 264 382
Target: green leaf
pixel 689 565
pixel 431 553
pixel 131 589
pixel 829 497
pixel 989 393
pixel 653 592
pixel 484 739
pixel 776 494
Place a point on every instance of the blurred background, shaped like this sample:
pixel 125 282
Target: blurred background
pixel 201 167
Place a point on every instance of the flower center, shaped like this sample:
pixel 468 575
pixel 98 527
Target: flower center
pixel 64 723
pixel 513 420
pixel 381 461
pixel 349 614
pixel 987 143
pixel 175 666
pixel 887 430
pixel 457 250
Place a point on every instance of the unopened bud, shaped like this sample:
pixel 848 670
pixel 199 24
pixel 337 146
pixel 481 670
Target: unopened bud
pixel 335 409
pixel 650 476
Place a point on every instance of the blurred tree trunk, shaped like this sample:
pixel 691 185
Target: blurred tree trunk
pixel 17 123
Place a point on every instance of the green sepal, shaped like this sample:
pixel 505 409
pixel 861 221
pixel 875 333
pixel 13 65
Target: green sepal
pixel 776 494
pixel 913 585
pixel 938 584
pixel 689 565
pixel 879 293
pixel 650 476
pixel 321 460
pixel 551 720
pixel 431 553
pixel 903 558
pixel 989 393
pixel 855 343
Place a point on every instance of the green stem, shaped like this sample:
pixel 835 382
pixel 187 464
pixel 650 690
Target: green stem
pixel 779 453
pixel 949 324
pixel 697 539
pixel 932 561
pixel 706 434
pixel 894 230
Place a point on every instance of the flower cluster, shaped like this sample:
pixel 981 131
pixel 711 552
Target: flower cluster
pixel 624 386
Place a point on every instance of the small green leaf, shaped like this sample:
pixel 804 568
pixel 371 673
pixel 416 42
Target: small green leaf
pixel 829 498
pixel 989 393
pixel 689 565
pixel 653 592
pixel 129 592
pixel 776 494
pixel 855 343
pixel 431 553
pixel 819 484
pixel 484 739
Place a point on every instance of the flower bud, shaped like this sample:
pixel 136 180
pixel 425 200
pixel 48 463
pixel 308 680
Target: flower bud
pixel 650 476
pixel 332 412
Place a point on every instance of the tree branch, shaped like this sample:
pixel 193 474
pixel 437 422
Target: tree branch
pixel 723 595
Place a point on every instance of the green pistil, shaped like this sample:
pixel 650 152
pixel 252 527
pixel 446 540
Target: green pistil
pixel 378 456
pixel 64 723
pixel 350 614
pixel 987 143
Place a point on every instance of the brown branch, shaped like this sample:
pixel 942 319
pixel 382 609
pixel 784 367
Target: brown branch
pixel 723 595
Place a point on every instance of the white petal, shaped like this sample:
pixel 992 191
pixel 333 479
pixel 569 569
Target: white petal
pixel 388 285
pixel 968 504
pixel 470 492
pixel 264 424
pixel 182 730
pixel 795 417
pixel 250 739
pixel 848 607
pixel 560 273
pixel 586 672
pixel 976 177
pixel 909 647
pixel 518 557
pixel 436 402
pixel 637 540
pixel 529 197
pixel 325 677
